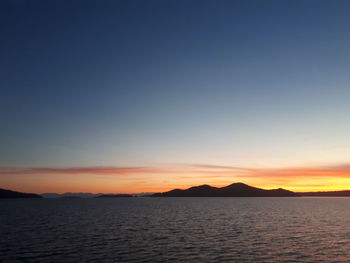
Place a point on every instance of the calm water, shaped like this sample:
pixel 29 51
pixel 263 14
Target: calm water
pixel 175 230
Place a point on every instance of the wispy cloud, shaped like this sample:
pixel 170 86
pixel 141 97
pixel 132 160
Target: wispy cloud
pixel 218 167
pixel 188 170
pixel 99 170
pixel 342 171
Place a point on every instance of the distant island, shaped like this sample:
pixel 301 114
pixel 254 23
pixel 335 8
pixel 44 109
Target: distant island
pixel 113 196
pixel 13 194
pixel 69 195
pixel 232 190
pixel 327 193
pixel 91 195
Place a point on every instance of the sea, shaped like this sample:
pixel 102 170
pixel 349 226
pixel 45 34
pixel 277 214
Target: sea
pixel 289 229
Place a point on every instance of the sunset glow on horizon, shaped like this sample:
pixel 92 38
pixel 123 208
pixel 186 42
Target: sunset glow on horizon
pixel 150 179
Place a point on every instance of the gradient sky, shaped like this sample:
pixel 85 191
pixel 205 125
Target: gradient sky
pixel 132 96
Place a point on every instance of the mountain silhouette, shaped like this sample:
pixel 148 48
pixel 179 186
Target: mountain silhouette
pixel 68 194
pixel 13 194
pixel 232 190
pixel 327 193
pixel 113 196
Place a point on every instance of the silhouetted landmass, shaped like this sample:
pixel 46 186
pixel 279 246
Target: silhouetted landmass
pixel 143 194
pixel 233 190
pixel 55 195
pixel 13 194
pixel 113 196
pixel 327 193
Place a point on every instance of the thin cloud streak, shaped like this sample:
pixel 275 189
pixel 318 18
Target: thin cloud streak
pixel 303 172
pixel 205 170
pixel 97 170
pixel 218 167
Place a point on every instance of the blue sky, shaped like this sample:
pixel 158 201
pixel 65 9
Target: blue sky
pixel 248 83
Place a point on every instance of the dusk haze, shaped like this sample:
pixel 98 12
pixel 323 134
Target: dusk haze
pixel 130 96
pixel 183 99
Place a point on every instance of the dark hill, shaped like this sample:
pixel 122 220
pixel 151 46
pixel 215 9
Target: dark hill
pixel 13 194
pixel 327 193
pixel 113 196
pixel 233 190
pixel 196 191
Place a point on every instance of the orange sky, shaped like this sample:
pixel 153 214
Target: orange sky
pixel 162 178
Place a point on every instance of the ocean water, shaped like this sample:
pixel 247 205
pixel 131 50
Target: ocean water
pixel 175 230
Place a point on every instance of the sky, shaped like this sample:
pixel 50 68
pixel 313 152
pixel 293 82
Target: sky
pixel 147 96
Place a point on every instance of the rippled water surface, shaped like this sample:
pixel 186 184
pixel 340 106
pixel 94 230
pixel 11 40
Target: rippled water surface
pixel 175 230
